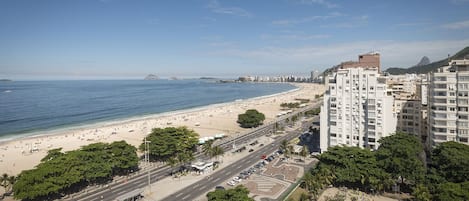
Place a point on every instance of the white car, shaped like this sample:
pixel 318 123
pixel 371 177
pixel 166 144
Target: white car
pixel 237 179
pixel 231 183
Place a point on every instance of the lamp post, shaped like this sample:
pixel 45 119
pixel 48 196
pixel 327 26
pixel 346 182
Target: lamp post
pixel 147 160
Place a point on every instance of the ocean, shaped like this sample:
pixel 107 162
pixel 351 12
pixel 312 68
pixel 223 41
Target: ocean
pixel 29 107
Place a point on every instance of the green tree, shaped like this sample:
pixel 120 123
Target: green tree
pixel 51 154
pixel 62 173
pixel 217 151
pixel 124 157
pixel 400 156
pixel 251 118
pixel 451 161
pixel 452 191
pixel 283 145
pixel 239 193
pixel 304 152
pixel 421 193
pixel 172 145
pixel 353 167
pixel 207 148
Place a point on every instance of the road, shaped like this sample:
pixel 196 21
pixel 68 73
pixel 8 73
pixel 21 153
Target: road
pixel 123 186
pixel 217 178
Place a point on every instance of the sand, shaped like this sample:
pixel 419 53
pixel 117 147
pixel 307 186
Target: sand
pixel 22 154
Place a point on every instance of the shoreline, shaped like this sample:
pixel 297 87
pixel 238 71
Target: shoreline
pixel 209 120
pixel 123 120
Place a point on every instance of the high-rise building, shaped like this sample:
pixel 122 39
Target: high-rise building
pixel 448 103
pixel 314 75
pixel 368 60
pixel 407 102
pixel 357 109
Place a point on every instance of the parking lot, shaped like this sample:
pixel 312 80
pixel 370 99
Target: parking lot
pixel 269 177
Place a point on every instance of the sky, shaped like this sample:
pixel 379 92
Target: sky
pixel 70 39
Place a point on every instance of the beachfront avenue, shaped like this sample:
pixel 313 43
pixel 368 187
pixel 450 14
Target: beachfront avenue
pixel 139 180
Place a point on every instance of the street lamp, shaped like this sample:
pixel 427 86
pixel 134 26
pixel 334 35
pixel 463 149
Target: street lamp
pixel 147 160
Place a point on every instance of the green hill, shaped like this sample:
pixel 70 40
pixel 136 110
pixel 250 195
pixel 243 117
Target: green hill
pixel 429 67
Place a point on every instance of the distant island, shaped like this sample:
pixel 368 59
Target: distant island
pixel 5 80
pixel 151 77
pixel 208 78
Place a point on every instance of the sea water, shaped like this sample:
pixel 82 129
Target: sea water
pixel 30 106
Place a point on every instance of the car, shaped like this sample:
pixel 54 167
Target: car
pixel 231 183
pixel 251 150
pixel 237 179
pixel 261 145
pixel 219 188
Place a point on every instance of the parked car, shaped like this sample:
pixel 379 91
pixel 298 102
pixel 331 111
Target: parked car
pixel 251 150
pixel 219 188
pixel 237 179
pixel 231 183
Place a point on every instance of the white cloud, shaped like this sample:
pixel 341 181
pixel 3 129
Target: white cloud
pixel 352 22
pixel 412 24
pixel 393 53
pixel 319 2
pixel 215 7
pixel 457 25
pixel 306 19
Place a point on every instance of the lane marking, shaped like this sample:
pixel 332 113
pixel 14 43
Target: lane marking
pixel 185 197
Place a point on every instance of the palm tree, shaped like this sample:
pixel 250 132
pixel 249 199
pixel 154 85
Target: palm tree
pixel 290 150
pixel 308 181
pixel 207 148
pixel 304 152
pixel 11 180
pixel 283 145
pixel 7 182
pixel 4 180
pixel 217 151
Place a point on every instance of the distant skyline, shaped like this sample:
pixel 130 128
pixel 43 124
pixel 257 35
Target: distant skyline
pixel 74 39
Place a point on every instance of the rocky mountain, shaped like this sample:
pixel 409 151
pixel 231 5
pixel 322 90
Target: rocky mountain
pixel 464 53
pixel 424 61
pixel 151 77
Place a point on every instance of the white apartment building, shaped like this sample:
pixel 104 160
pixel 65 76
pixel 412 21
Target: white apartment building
pixel 448 102
pixel 407 102
pixel 357 109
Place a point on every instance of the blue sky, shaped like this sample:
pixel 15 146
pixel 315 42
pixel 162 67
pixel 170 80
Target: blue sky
pixel 121 38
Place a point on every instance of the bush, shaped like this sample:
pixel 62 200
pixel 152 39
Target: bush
pixel 251 118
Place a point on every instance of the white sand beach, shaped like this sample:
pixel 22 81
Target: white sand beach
pixel 26 153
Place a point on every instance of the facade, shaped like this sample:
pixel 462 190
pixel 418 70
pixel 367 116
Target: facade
pixel 314 75
pixel 368 60
pixel 407 102
pixel 357 109
pixel 448 103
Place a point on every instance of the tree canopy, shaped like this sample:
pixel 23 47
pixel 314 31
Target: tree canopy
pixel 400 155
pixel 239 193
pixel 251 118
pixel 67 172
pixel 354 167
pixel 451 161
pixel 452 191
pixel 172 145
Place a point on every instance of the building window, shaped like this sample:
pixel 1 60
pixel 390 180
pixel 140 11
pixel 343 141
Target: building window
pixel 463 139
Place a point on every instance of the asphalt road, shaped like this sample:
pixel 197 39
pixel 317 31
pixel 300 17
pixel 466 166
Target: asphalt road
pixel 115 190
pixel 217 178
